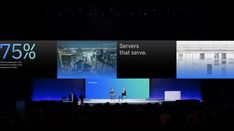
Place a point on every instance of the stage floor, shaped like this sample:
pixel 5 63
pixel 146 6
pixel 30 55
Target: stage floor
pixel 113 101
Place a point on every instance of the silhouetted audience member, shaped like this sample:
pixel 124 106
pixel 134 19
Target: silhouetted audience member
pixel 166 115
pixel 75 100
pixel 81 99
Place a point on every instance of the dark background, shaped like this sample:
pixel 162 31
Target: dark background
pixel 118 20
pixel 160 61
pixel 54 21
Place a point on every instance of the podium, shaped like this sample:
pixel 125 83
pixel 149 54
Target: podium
pixel 172 95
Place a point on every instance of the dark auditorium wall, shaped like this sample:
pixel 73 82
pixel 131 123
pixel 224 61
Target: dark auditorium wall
pixel 190 89
pixel 13 90
pixel 218 91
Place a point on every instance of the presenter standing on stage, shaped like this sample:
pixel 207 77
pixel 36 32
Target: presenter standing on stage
pixel 124 93
pixel 112 94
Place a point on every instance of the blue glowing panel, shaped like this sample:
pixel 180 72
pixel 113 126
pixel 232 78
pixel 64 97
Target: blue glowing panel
pixel 56 89
pixel 87 59
pixel 190 89
pixel 100 89
pixel 205 59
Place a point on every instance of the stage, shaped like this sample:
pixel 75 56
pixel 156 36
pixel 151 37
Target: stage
pixel 114 101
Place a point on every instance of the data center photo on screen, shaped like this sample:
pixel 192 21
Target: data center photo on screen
pixel 87 59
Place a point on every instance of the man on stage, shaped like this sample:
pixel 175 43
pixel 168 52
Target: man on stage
pixel 124 93
pixel 112 94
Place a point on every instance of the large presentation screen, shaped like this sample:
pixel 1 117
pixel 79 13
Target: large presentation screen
pixel 85 59
pixel 101 88
pixel 205 59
